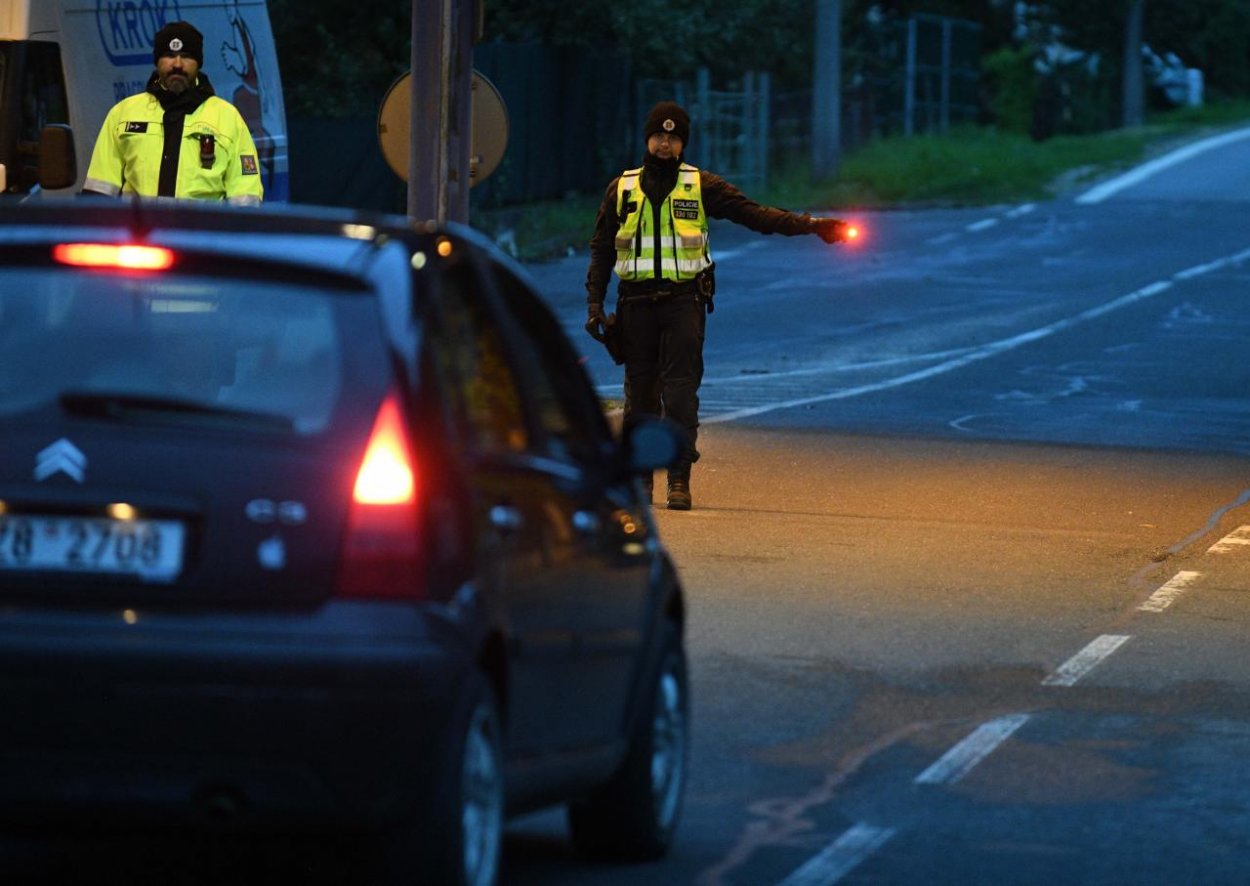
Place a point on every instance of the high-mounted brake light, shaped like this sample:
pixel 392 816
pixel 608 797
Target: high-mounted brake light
pixel 109 255
pixel 382 545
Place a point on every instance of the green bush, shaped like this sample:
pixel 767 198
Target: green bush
pixel 1012 88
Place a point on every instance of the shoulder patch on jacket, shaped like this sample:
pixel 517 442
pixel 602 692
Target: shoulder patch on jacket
pixel 249 164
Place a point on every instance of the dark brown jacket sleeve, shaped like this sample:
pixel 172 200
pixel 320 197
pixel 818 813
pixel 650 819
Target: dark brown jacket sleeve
pixel 723 200
pixel 603 247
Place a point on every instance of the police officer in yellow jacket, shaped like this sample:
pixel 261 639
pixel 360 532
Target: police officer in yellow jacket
pixel 177 139
pixel 652 229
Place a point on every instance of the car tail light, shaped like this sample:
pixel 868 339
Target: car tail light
pixel 113 256
pixel 382 546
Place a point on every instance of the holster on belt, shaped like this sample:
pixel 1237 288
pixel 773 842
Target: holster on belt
pixel 614 339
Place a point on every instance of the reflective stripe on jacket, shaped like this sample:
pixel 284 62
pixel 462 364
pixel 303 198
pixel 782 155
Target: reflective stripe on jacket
pixel 127 155
pixel 681 240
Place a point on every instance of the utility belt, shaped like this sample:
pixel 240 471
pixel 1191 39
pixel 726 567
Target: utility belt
pixel 702 286
pixel 655 289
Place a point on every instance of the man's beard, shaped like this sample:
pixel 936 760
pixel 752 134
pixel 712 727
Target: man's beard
pixel 176 83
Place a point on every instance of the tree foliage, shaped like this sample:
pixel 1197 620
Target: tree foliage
pixel 338 59
pixel 668 40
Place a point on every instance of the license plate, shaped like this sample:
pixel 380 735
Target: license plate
pixel 150 550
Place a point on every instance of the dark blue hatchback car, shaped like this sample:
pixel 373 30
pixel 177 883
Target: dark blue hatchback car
pixel 313 521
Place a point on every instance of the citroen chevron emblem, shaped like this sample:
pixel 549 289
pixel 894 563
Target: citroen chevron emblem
pixel 61 457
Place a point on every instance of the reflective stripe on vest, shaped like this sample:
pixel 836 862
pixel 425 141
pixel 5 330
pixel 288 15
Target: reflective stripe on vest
pixel 682 239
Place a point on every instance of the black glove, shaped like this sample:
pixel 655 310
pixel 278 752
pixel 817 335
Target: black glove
pixel 831 230
pixel 596 320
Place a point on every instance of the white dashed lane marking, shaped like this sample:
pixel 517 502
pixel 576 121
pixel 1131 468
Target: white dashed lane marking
pixel 1086 660
pixel 840 857
pixel 1169 592
pixel 959 760
pixel 1235 540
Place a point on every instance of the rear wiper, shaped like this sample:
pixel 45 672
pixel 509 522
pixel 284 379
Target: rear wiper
pixel 122 405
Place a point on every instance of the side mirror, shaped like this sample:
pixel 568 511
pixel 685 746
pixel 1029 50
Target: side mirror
pixel 58 166
pixel 653 443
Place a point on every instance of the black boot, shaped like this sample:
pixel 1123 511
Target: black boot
pixel 679 487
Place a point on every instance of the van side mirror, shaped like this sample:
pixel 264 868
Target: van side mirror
pixel 58 166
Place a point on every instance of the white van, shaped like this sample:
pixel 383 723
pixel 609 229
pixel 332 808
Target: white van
pixel 66 62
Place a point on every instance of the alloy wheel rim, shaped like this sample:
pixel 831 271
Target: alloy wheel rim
pixel 482 806
pixel 668 759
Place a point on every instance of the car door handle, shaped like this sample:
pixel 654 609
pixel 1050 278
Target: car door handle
pixel 586 522
pixel 505 518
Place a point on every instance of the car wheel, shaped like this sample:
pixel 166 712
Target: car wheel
pixel 457 837
pixel 634 816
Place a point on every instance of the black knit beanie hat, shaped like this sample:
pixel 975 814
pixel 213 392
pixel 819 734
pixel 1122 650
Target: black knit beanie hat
pixel 179 37
pixel 668 117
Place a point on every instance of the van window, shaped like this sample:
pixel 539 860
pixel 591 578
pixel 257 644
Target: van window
pixel 43 90
pixel 33 88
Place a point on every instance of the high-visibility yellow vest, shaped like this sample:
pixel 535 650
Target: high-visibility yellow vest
pixel 681 240
pixel 127 155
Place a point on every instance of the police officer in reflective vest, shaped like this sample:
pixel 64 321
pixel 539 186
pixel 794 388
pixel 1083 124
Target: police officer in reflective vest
pixel 177 139
pixel 652 229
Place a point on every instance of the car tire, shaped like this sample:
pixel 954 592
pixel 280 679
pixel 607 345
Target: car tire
pixel 634 816
pixel 456 837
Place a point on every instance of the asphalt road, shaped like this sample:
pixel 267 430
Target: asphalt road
pixel 968 564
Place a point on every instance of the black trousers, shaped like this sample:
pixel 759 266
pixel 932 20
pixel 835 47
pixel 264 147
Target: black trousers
pixel 664 360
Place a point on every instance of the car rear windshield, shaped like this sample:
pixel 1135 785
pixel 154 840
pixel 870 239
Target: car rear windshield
pixel 255 347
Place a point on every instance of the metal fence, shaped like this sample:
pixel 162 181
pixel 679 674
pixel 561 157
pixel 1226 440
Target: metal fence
pixel 576 114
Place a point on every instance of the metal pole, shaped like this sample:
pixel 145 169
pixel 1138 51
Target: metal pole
pixel 438 137
pixel 909 84
pixel 946 74
pixel 709 135
pixel 763 121
pixel 827 91
pixel 1134 94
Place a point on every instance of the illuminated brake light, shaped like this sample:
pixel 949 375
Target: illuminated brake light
pixel 381 555
pixel 386 476
pixel 852 233
pixel 108 255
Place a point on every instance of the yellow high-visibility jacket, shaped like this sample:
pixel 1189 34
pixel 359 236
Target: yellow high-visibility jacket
pixel 681 240
pixel 127 155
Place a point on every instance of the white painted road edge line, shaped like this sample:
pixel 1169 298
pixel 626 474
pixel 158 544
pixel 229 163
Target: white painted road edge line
pixel 959 760
pixel 984 352
pixel 1235 539
pixel 840 857
pixel 1169 592
pixel 1141 173
pixel 1086 660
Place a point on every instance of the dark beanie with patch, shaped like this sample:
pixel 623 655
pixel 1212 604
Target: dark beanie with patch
pixel 179 38
pixel 668 117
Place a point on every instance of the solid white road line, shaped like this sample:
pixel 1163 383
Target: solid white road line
pixel 959 760
pixel 1141 173
pixel 840 857
pixel 1169 592
pixel 992 349
pixel 1086 660
pixel 1238 538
